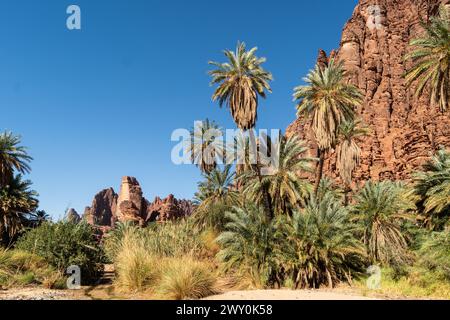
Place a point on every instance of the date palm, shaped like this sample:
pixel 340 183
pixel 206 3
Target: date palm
pixel 431 60
pixel 286 189
pixel 206 145
pixel 348 151
pixel 432 187
pixel 12 157
pixel 328 100
pixel 17 201
pixel 241 80
pixel 216 194
pixel 379 210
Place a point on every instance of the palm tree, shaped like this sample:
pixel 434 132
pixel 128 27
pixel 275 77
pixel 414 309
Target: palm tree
pixel 247 244
pixel 216 194
pixel 432 187
pixel 320 245
pixel 240 81
pixel 206 145
pixel 37 218
pixel 329 101
pixel 431 60
pixel 379 210
pixel 12 157
pixel 17 201
pixel 348 151
pixel 285 187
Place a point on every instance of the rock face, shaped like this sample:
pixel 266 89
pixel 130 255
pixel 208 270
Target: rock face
pixel 130 205
pixel 404 131
pixel 73 216
pixel 168 209
pixel 103 208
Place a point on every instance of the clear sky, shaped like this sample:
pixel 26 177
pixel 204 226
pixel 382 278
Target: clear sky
pixel 99 103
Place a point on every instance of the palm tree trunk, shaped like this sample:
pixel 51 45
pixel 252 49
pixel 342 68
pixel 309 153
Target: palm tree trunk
pixel 266 196
pixel 347 190
pixel 319 170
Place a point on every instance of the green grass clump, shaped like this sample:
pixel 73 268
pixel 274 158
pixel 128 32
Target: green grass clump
pixel 20 268
pixel 154 260
pixel 186 278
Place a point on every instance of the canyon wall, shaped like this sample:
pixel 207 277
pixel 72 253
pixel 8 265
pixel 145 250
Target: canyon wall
pixel 404 131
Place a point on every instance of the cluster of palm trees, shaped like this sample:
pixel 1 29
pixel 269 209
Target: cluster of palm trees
pixel 18 203
pixel 249 207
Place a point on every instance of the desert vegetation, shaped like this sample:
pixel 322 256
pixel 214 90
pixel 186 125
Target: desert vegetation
pixel 294 228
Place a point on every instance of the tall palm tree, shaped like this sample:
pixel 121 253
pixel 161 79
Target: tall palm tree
pixel 348 151
pixel 216 194
pixel 286 189
pixel 432 187
pixel 328 100
pixel 12 157
pixel 206 145
pixel 240 81
pixel 379 210
pixel 431 59
pixel 17 201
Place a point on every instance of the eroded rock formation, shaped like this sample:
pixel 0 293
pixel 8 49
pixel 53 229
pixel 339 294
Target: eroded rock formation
pixel 130 205
pixel 404 131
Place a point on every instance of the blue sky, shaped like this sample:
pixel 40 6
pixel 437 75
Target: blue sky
pixel 99 103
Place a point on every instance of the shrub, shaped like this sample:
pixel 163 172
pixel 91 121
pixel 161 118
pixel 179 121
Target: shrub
pixel 186 278
pixel 64 244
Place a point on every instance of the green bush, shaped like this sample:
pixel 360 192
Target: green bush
pixel 64 244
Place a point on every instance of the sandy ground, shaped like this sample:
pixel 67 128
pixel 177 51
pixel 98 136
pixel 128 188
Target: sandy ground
pixel 40 294
pixel 287 295
pixel 46 294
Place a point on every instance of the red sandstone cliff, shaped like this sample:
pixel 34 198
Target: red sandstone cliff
pixel 404 132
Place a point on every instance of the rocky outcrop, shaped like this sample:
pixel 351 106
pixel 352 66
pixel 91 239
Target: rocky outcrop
pixel 404 131
pixel 130 205
pixel 103 208
pixel 73 216
pixel 168 209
